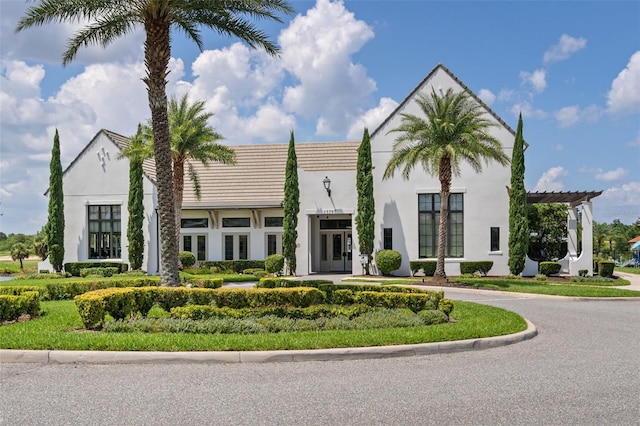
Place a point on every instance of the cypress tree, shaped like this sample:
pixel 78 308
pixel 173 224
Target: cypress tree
pixel 135 206
pixel 55 222
pixel 366 205
pixel 518 222
pixel 291 208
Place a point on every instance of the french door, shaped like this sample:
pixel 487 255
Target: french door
pixel 335 251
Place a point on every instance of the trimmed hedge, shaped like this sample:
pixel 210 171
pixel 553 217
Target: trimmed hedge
pixel 122 302
pixel 187 259
pixel 203 312
pixel 388 261
pixel 233 265
pixel 74 267
pixel 428 267
pixel 11 307
pixel 103 272
pixel 205 282
pixel 17 290
pixel 605 268
pixel 58 290
pixel 471 267
pixel 274 264
pixel 549 268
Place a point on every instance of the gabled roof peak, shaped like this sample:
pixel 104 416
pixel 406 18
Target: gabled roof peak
pixel 416 89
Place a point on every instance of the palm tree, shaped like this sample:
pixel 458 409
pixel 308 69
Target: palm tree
pixel 452 129
pixel 109 20
pixel 192 139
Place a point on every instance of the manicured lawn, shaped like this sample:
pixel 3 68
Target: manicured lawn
pixel 628 270
pixel 61 328
pixel 13 266
pixel 550 288
pixel 570 289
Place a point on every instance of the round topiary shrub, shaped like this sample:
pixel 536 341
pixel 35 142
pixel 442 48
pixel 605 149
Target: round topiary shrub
pixel 187 259
pixel 549 268
pixel 388 261
pixel 273 264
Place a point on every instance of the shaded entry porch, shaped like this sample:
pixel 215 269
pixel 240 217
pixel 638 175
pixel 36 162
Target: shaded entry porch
pixel 332 241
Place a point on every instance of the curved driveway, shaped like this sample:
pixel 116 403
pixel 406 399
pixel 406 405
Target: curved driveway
pixel 582 369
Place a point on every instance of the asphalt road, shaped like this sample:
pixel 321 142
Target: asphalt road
pixel 582 369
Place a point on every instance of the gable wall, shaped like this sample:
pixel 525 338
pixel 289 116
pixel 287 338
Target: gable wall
pixel 486 200
pixel 87 182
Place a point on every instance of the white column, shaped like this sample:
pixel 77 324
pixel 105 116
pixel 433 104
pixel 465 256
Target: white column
pixel 587 236
pixel 572 229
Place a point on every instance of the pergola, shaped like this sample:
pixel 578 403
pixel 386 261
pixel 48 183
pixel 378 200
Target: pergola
pixel 572 263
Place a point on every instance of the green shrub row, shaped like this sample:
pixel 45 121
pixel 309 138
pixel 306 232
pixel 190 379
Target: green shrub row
pixel 236 266
pixel 471 267
pixel 120 303
pixel 102 272
pixel 11 307
pixel 605 268
pixel 17 290
pixel 74 267
pixel 204 282
pixel 344 294
pixel 276 282
pixel 428 267
pixel 68 290
pixel 549 268
pixel 203 312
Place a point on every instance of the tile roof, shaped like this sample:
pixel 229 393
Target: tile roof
pixel 257 180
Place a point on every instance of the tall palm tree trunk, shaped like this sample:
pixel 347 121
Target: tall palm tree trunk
pixel 178 185
pixel 444 175
pixel 157 52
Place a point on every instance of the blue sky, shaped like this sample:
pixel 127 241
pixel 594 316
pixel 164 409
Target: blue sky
pixel 572 68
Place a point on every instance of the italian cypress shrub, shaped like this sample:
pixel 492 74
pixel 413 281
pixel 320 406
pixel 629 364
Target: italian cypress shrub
pixel 518 221
pixel 55 222
pixel 291 208
pixel 366 205
pixel 135 207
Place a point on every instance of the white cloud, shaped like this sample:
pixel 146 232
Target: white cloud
pixel 611 175
pixel 551 180
pixel 48 42
pixel 372 118
pixel 624 96
pixel 536 79
pixel 487 96
pixel 568 116
pixel 606 176
pixel 566 46
pixel 506 95
pixel 317 49
pixel 636 141
pixel 627 194
pixel 527 110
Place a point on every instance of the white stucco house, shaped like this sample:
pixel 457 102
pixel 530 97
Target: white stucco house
pixel 239 215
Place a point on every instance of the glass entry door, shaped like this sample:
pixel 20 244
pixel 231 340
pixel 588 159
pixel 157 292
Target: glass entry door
pixel 335 251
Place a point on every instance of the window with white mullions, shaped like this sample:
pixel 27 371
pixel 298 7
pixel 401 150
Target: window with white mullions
pixel 429 222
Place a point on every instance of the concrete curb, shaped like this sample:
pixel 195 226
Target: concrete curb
pixel 223 357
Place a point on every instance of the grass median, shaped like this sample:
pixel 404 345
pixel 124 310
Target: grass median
pixel 564 288
pixel 60 328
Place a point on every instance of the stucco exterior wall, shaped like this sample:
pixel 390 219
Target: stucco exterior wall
pixel 98 177
pixel 486 201
pixel 316 204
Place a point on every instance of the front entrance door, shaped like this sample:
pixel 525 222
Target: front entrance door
pixel 335 251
